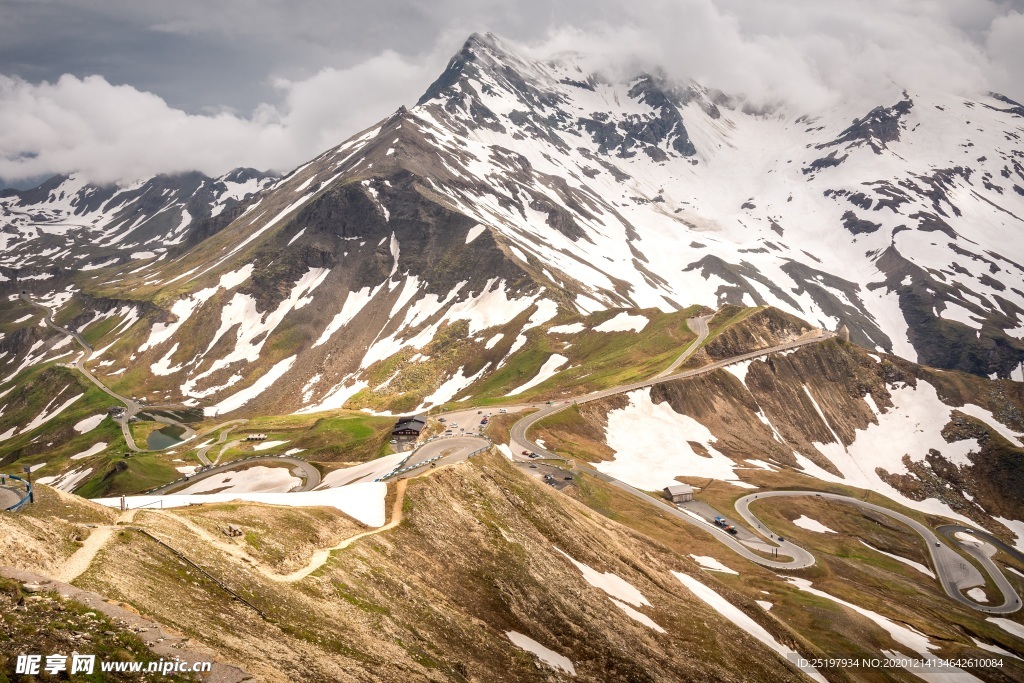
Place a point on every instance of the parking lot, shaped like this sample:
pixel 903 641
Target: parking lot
pixel 549 474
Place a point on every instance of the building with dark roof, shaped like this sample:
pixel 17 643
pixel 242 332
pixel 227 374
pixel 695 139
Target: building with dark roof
pixel 409 426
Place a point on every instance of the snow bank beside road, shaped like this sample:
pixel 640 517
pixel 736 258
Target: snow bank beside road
pixel 363 502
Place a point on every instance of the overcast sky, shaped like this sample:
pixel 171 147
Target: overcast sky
pixel 120 89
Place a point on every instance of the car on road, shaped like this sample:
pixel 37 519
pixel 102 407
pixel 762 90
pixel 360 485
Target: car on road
pixel 394 440
pixel 533 465
pixel 502 411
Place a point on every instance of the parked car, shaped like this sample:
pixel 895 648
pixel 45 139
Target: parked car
pixel 533 466
pixel 526 452
pixel 569 478
pixel 394 440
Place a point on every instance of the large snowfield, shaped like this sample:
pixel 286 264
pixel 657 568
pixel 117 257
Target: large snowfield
pixel 363 502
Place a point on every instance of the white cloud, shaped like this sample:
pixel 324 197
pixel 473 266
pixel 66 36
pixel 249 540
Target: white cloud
pixel 109 132
pixel 806 52
pixel 814 53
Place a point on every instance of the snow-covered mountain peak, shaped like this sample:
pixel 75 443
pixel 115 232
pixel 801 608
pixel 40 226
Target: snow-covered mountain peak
pixel 519 191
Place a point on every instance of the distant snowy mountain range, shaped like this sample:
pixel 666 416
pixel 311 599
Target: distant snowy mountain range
pixel 407 266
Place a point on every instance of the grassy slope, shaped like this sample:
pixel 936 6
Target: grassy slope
pixel 55 440
pixel 597 360
pixel 845 568
pixel 433 598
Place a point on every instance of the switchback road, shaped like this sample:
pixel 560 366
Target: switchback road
pixel 949 566
pixel 132 407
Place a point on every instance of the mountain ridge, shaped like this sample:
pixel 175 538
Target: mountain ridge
pixel 575 194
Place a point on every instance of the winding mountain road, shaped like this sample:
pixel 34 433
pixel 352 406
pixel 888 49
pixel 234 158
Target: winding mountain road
pixel 132 407
pixel 698 325
pixel 951 568
pixel 309 473
pixel 227 427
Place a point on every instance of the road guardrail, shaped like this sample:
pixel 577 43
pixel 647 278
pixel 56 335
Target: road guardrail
pixel 28 494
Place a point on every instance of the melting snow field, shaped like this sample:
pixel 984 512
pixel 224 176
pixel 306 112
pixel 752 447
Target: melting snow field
pixel 368 471
pixel 90 423
pixel 251 480
pixel 738 617
pixel 650 446
pixel 623 322
pixel 92 450
pixel 571 328
pixel 363 502
pixel 911 427
pixel 713 564
pixel 910 563
pixel 264 445
pixel 242 397
pixel 448 390
pixel 48 414
pixel 805 522
pixel 993 648
pixel 625 595
pixel 610 583
pixel 551 365
pixel 636 615
pixel 67 481
pixel 549 657
pixel 904 635
pixel 1017 527
pixel 1011 627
